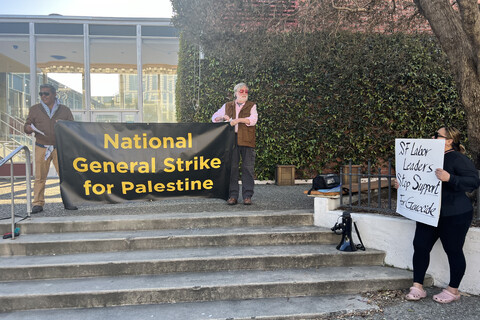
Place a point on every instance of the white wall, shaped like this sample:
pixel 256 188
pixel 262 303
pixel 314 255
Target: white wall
pixel 394 235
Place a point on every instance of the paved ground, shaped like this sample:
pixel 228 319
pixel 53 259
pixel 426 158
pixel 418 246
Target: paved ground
pixel 267 197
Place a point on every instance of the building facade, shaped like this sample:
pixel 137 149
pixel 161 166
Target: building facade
pixel 105 69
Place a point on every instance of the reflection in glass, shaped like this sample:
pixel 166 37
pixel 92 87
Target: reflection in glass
pixel 159 57
pixel 113 73
pixel 114 80
pixel 60 63
pixel 15 97
pixel 69 89
pixel 111 117
pixel 77 116
pixel 129 118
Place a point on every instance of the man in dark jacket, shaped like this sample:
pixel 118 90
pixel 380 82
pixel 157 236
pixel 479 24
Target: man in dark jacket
pixel 242 114
pixel 41 120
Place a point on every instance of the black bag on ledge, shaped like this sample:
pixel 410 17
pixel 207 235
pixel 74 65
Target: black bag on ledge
pixel 325 181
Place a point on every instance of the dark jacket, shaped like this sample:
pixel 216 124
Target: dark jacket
pixel 246 134
pixel 463 178
pixel 39 117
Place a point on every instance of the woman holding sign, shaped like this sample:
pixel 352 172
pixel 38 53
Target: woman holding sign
pixel 458 176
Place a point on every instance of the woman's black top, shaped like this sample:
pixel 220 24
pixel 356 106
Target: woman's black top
pixel 463 178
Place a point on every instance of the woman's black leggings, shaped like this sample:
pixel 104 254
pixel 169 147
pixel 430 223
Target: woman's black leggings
pixel 452 232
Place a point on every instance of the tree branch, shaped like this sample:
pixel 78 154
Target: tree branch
pixel 470 16
pixel 357 8
pixel 447 26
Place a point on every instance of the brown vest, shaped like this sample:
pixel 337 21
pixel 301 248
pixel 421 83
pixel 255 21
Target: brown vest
pixel 246 134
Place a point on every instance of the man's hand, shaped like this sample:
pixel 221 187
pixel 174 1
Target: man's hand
pixel 224 118
pixel 240 120
pixel 28 129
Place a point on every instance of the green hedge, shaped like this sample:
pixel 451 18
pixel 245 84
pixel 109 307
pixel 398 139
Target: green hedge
pixel 324 100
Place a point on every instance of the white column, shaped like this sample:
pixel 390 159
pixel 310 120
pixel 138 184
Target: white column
pixel 140 73
pixel 86 66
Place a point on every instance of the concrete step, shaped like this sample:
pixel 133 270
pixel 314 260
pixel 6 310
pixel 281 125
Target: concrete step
pixel 298 308
pixel 113 241
pixel 203 259
pixel 230 262
pixel 156 221
pixel 198 287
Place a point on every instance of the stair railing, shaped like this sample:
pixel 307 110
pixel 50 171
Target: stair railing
pixel 14 136
pixel 28 175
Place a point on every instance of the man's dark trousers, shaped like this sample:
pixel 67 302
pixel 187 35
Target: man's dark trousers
pixel 247 155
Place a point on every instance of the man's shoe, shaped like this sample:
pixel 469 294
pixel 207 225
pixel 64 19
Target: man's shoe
pixel 37 209
pixel 70 207
pixel 231 201
pixel 247 201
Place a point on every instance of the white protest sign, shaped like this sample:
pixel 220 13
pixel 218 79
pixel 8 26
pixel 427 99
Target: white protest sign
pixel 420 191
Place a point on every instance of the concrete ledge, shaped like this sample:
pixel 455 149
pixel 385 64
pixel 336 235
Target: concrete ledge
pixel 394 235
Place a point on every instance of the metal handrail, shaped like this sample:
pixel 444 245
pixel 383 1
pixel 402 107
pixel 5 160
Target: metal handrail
pixel 9 125
pixel 17 119
pixel 21 137
pixel 28 175
pixel 8 146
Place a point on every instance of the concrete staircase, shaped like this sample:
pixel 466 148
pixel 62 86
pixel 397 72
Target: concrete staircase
pixel 275 265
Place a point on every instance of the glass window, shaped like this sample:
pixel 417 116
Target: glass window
pixel 14 27
pixel 129 118
pixel 60 63
pixel 15 99
pixel 113 73
pixel 59 28
pixel 78 116
pixel 112 30
pixel 157 31
pixel 107 117
pixel 15 76
pixel 159 57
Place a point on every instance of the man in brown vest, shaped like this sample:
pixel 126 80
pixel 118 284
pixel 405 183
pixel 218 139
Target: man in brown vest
pixel 242 114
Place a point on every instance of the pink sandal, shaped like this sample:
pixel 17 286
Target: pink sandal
pixel 415 294
pixel 446 297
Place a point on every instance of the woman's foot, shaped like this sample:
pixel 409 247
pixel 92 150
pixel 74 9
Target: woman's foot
pixel 446 296
pixel 416 294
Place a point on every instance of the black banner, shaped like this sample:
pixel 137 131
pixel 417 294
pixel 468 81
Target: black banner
pixel 116 162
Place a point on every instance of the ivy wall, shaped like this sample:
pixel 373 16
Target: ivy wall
pixel 323 100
